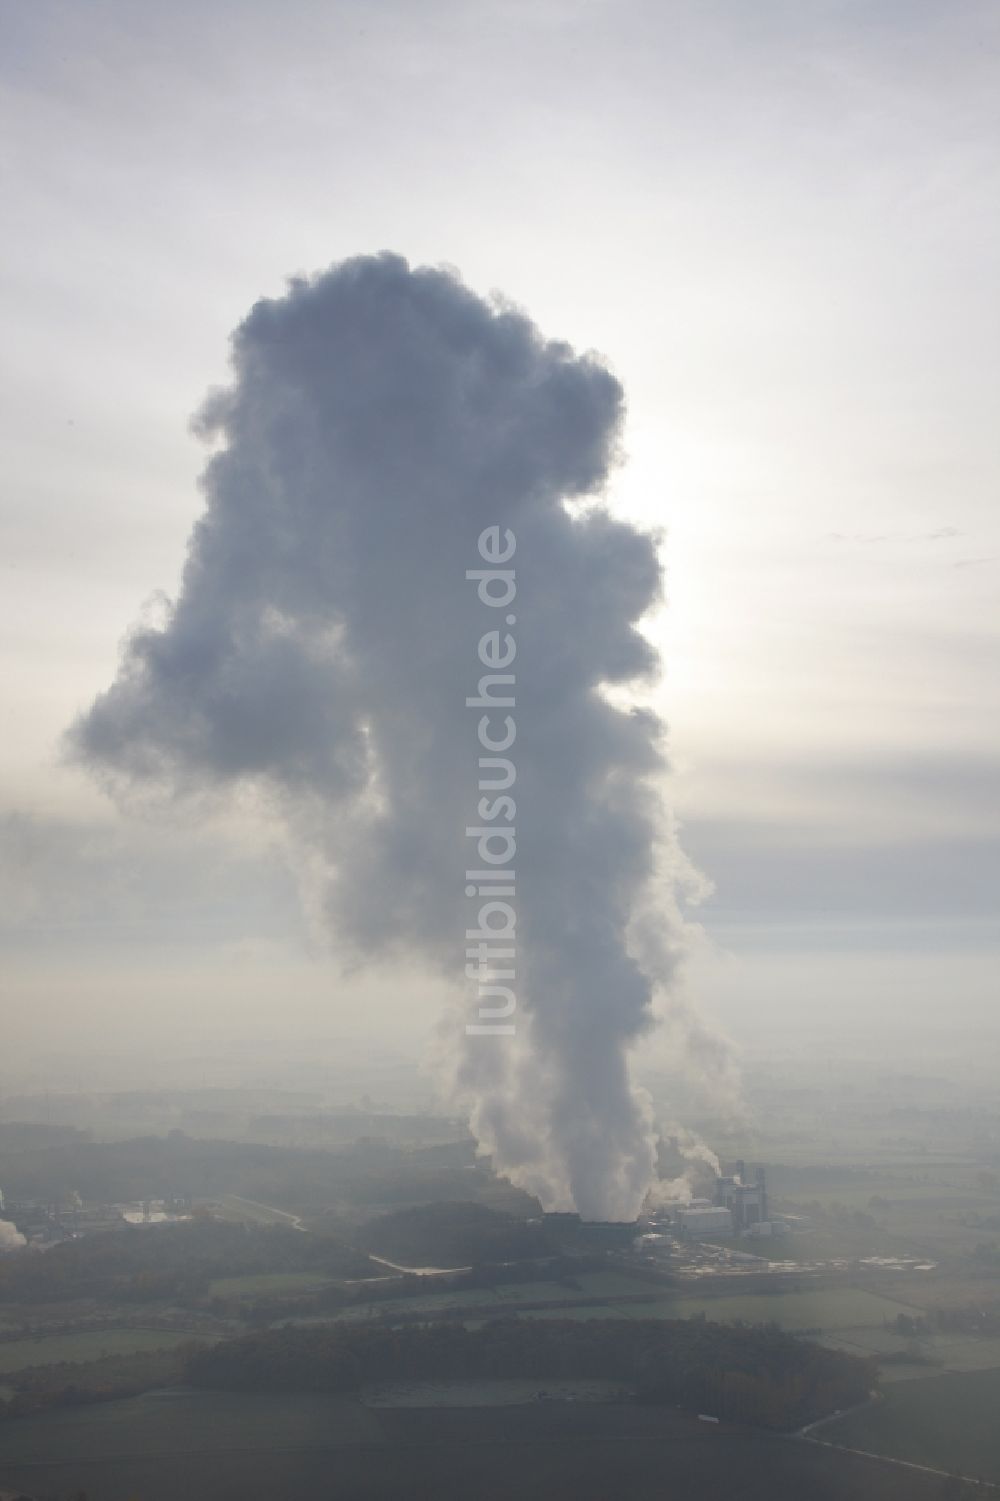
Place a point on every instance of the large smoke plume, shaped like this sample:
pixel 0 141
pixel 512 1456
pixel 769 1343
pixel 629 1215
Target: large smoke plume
pixel 324 641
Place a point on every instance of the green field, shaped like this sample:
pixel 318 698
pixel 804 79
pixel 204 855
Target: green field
pixel 593 1295
pixel 476 1297
pixel 937 1352
pixel 500 1392
pixel 234 1206
pixel 257 1283
pixel 837 1308
pixel 216 1446
pixel 87 1344
pixel 826 1308
pixel 948 1422
pixel 599 1311
pixel 507 1296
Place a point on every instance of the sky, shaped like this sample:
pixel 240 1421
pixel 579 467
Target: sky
pixel 777 222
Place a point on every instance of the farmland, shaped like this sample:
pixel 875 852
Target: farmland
pixel 826 1308
pixel 81 1346
pixel 262 1283
pixel 596 1295
pixel 224 1447
pixel 949 1422
pixel 933 1353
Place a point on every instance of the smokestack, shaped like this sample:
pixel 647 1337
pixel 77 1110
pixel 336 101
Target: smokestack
pixel 380 421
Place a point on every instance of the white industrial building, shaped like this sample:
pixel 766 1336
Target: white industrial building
pixel 705 1219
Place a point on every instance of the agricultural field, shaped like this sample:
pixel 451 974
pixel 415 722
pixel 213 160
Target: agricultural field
pixel 934 1353
pixel 946 1287
pixel 948 1422
pixel 224 1447
pixel 235 1207
pixel 824 1308
pixel 258 1284
pixel 506 1297
pixel 86 1345
pixel 503 1392
pixel 828 1309
pixel 597 1311
pixel 501 1297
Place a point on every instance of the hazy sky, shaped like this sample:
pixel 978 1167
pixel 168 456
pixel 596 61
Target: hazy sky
pixel 779 223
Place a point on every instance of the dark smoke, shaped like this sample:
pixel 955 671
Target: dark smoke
pixel 324 641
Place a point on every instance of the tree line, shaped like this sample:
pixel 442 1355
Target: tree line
pixel 754 1375
pixel 176 1262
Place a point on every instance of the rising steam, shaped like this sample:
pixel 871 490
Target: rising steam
pixel 11 1238
pixel 324 641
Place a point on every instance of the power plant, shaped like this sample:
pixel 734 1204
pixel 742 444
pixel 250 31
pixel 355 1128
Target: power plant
pixel 738 1207
pixel 746 1202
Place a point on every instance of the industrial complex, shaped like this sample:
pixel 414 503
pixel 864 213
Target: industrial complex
pixel 737 1208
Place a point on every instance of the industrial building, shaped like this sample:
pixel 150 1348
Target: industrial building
pixel 561 1219
pixel 596 1233
pixel 746 1201
pixel 738 1207
pixel 705 1219
pixel 608 1234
